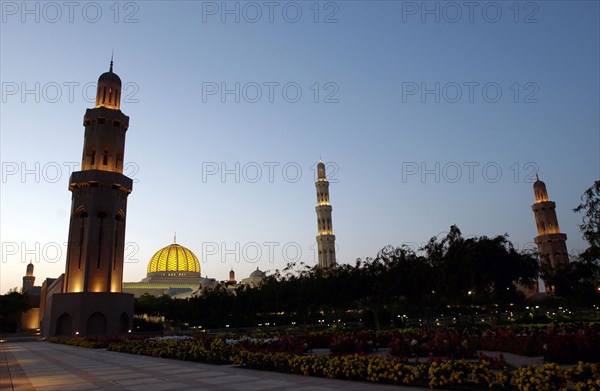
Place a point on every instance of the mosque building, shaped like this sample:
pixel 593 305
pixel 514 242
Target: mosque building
pixel 90 298
pixel 175 271
pixel 254 279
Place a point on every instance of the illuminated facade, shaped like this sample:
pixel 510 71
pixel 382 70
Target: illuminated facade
pixel 551 243
pixel 99 203
pixel 91 301
pixel 173 260
pixel 173 270
pixel 325 236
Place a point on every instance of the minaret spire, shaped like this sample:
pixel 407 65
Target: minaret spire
pixel 325 236
pixel 108 93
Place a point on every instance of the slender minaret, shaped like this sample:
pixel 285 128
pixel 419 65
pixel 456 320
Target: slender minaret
pixel 28 279
pixel 99 203
pixel 550 241
pixel 325 236
pixel 91 302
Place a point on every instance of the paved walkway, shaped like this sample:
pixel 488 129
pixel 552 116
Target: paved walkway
pixel 47 366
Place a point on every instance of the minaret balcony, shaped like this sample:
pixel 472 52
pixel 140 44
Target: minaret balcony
pixel 550 238
pixel 109 178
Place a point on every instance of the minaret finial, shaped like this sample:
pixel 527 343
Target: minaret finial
pixel 112 56
pixel 537 178
pixel 175 237
pixel 320 158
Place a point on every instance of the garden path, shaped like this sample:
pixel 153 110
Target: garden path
pixel 47 366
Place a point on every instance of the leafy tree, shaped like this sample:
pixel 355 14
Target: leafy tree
pixel 479 269
pixel 13 302
pixel 578 281
pixel 590 227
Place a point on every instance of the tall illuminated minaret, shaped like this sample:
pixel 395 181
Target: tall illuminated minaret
pixel 325 236
pixel 28 279
pixel 550 241
pixel 99 202
pixel 91 301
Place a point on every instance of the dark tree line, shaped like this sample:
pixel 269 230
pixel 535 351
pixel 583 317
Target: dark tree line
pixel 579 280
pixel 451 271
pixel 11 306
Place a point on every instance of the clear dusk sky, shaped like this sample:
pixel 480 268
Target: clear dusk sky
pixel 427 114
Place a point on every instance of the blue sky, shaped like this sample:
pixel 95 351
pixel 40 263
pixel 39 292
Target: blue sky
pixel 428 114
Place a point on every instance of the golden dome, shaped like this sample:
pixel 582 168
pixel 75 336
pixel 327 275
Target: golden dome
pixel 174 259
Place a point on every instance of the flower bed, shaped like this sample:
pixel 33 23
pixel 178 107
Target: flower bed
pixel 360 342
pixel 459 373
pixel 217 353
pixel 89 342
pixel 281 354
pixel 283 343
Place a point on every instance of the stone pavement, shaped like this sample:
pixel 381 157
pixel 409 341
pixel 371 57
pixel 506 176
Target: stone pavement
pixel 47 366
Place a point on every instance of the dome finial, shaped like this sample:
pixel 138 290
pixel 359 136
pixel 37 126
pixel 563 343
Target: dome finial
pixel 175 237
pixel 537 178
pixel 112 55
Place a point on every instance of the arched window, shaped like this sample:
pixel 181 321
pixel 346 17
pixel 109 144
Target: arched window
pixel 101 216
pixel 105 157
pixel 119 161
pixel 120 219
pixel 80 215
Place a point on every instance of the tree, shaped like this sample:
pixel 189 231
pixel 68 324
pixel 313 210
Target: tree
pixel 479 269
pixel 578 281
pixel 13 302
pixel 590 226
